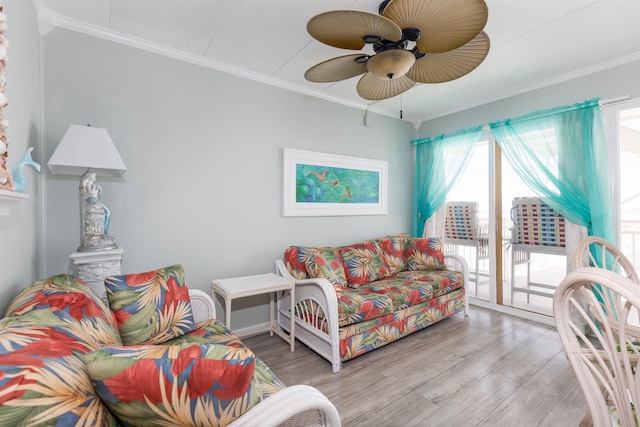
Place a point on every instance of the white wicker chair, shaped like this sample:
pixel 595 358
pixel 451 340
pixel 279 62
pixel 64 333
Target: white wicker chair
pixel 595 251
pixel 605 361
pixel 295 406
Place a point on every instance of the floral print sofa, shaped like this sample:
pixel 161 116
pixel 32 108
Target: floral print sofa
pixel 69 359
pixel 353 299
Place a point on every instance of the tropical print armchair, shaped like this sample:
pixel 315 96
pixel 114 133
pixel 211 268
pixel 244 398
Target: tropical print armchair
pixel 63 361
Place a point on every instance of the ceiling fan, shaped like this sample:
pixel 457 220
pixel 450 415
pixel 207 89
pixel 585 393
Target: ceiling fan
pixel 426 41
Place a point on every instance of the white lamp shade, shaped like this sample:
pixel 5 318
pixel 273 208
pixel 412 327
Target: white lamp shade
pixel 86 147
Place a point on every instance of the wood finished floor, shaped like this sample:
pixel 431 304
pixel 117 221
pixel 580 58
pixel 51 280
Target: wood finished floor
pixel 487 369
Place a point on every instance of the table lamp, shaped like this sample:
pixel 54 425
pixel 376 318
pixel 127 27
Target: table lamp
pixel 89 151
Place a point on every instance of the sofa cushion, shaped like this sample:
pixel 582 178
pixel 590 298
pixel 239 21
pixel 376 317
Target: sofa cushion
pixel 403 292
pixel 151 307
pixel 362 263
pixel 174 385
pixel 69 299
pixel 441 281
pixel 327 263
pixel 425 254
pixel 359 338
pixel 394 252
pixel 356 305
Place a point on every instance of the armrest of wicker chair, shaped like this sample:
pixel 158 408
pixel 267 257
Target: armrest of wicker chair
pixel 298 405
pixel 202 306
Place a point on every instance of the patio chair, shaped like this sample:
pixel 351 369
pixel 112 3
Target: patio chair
pixel 461 228
pixel 605 361
pixel 536 229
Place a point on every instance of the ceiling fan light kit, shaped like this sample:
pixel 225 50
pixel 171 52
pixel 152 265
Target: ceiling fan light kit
pixel 426 41
pixel 391 64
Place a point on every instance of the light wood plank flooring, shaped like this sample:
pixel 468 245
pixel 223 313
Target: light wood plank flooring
pixel 487 369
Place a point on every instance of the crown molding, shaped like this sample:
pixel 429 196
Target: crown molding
pixel 49 21
pixel 540 85
pixel 46 23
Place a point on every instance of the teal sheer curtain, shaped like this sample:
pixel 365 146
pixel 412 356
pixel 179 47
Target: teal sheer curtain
pixel 440 161
pixel 561 154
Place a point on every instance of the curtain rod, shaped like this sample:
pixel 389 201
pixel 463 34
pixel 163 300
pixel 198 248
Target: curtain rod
pixel 601 102
pixel 617 100
pixel 547 113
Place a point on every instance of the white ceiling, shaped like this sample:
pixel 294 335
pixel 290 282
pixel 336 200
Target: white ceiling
pixel 534 43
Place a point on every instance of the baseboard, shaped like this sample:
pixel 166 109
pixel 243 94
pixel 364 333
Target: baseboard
pixel 252 330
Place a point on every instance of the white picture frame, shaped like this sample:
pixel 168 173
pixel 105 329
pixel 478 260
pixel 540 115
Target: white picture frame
pixel 322 184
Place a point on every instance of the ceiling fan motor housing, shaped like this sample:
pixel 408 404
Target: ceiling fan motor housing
pixel 382 45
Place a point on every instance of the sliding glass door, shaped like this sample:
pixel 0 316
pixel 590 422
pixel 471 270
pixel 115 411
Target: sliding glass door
pixel 623 135
pixel 473 187
pixel 522 282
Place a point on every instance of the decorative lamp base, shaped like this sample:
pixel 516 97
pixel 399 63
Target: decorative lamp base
pixel 97 248
pixel 93 268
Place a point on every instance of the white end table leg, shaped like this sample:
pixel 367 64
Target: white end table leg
pixel 271 322
pixel 292 334
pixel 227 312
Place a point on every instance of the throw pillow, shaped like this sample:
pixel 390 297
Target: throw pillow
pixel 394 252
pixel 84 315
pixel 151 307
pixel 363 263
pixel 174 385
pixel 425 254
pixel 295 258
pixel 326 262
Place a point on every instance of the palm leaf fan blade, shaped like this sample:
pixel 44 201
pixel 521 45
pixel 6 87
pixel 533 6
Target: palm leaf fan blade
pixel 336 69
pixel 444 67
pixel 346 28
pixel 445 24
pixel 372 88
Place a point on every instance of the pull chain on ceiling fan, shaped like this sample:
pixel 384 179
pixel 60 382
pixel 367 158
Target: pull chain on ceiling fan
pixel 427 41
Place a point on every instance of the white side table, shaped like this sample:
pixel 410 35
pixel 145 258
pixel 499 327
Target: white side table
pixel 93 267
pixel 239 287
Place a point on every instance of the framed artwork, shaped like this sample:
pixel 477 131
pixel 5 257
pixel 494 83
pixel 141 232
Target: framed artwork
pixel 321 184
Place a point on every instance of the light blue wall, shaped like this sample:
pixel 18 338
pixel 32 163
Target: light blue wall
pixel 19 232
pixel 204 152
pixel 204 156
pixel 612 83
